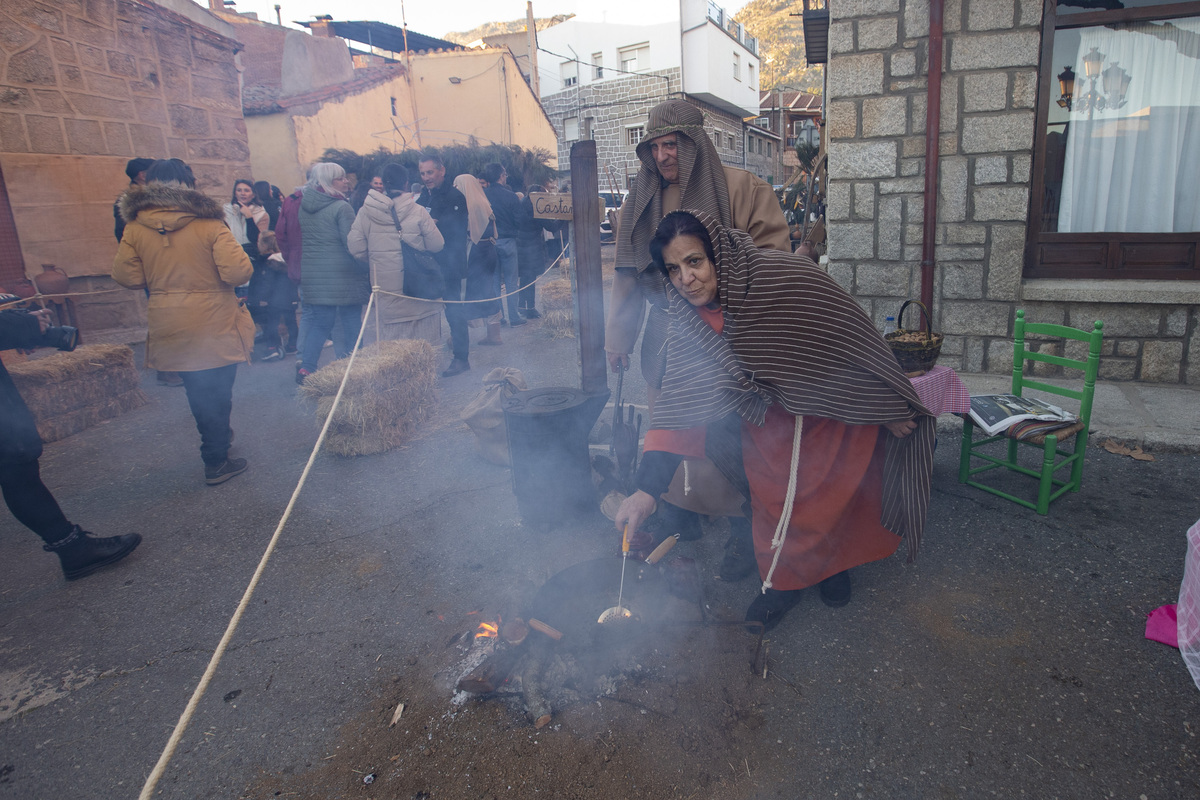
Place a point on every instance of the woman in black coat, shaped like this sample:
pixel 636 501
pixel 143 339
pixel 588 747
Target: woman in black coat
pixel 20 479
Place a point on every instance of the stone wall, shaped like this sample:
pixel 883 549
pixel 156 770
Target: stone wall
pixel 84 86
pixel 612 106
pixel 876 127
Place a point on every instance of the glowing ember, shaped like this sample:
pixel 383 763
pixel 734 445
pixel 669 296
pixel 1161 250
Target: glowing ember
pixel 488 630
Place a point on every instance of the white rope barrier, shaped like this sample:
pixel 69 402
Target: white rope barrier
pixel 186 717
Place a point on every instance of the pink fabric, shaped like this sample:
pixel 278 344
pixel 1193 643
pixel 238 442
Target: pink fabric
pixel 942 392
pixel 1162 626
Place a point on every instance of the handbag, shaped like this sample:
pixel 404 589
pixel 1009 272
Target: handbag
pixel 422 273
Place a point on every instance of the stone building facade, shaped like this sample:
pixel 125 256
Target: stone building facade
pixel 85 86
pixel 614 113
pixel 989 116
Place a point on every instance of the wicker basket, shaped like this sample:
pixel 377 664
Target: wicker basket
pixel 916 350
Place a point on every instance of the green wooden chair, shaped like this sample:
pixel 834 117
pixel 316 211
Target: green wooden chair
pixel 1053 459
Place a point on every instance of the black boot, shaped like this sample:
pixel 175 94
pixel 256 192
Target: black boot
pixel 672 519
pixel 82 554
pixel 835 590
pixel 739 560
pixel 770 606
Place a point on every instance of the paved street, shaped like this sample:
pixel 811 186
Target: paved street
pixel 1009 660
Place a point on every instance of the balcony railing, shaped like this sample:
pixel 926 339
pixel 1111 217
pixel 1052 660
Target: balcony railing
pixel 732 27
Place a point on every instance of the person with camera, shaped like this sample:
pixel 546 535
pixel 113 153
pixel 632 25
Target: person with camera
pixel 79 552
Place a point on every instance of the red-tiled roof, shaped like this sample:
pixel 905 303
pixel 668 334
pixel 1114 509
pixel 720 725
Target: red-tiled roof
pixel 793 101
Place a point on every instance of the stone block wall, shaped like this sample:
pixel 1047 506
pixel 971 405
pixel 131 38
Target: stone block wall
pixel 876 126
pixel 612 106
pixel 84 86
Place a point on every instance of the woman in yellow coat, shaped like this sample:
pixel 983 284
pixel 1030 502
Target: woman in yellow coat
pixel 177 246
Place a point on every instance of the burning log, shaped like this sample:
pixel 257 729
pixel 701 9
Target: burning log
pixel 496 668
pixel 493 672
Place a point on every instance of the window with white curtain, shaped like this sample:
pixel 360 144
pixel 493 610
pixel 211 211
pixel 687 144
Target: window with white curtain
pixel 1117 172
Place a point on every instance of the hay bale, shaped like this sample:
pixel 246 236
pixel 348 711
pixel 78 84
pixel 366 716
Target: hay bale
pixel 389 394
pixel 70 392
pixel 556 294
pixel 559 323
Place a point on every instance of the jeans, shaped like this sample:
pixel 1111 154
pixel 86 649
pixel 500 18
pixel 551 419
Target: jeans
pixel 271 317
pixel 31 502
pixel 319 322
pixel 506 249
pixel 210 396
pixel 456 318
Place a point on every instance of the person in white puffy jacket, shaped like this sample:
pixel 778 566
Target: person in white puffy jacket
pixel 374 238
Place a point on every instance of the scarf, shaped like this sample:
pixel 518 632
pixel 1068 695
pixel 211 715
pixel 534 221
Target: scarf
pixel 479 210
pixel 794 337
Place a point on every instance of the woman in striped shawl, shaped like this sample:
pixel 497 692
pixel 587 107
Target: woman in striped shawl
pixel 766 351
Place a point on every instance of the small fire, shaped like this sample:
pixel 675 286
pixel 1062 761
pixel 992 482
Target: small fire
pixel 488 630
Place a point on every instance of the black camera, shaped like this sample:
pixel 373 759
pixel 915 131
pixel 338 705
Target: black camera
pixel 63 337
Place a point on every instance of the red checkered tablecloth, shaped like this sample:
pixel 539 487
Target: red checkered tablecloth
pixel 942 392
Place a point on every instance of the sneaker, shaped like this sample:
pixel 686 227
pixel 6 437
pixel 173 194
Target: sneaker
pixel 81 554
pixel 531 313
pixel 515 321
pixel 457 367
pixel 739 561
pixel 273 354
pixel 301 374
pixel 289 351
pixel 835 590
pixel 770 606
pixel 231 468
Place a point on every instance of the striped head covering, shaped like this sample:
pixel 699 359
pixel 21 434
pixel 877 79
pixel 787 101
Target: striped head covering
pixel 701 181
pixel 793 336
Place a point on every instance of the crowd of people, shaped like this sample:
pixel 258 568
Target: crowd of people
pixel 774 401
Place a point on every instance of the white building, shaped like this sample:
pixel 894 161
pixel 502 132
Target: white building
pixel 599 79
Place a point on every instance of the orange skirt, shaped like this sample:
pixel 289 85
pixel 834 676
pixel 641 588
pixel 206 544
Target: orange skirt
pixel 835 515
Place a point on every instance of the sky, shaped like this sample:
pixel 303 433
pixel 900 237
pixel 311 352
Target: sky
pixel 439 17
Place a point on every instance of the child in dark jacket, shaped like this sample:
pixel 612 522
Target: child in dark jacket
pixel 279 301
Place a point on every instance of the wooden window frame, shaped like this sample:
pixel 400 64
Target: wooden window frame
pixel 1142 256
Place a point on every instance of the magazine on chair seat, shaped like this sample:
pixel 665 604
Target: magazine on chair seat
pixel 997 412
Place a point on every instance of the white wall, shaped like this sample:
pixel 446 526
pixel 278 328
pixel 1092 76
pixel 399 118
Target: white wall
pixel 708 54
pixel 576 39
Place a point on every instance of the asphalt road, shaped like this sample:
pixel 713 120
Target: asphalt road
pixel 1008 661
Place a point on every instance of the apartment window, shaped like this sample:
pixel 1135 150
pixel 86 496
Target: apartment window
pixel 737 66
pixel 717 139
pixel 635 57
pixel 759 145
pixel 1117 146
pixel 597 66
pixel 570 73
pixel 769 149
pixel 634 134
pixel 571 128
pixel 750 76
pixel 589 131
pixel 732 143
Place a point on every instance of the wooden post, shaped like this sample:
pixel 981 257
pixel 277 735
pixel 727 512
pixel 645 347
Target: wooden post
pixel 585 238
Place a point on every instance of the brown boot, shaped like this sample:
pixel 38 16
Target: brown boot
pixel 493 334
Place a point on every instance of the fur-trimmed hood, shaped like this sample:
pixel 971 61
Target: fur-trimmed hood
pixel 166 208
